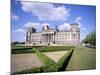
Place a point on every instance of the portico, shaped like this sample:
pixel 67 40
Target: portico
pixel 48 37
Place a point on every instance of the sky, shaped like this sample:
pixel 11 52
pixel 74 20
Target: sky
pixel 38 14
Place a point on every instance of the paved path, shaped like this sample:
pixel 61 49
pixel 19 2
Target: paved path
pixel 55 55
pixel 21 62
pixel 83 58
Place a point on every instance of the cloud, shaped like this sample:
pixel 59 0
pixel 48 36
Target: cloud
pixel 31 24
pixel 18 35
pixel 83 28
pixel 78 19
pixel 65 26
pixel 14 17
pixel 19 30
pixel 35 25
pixel 46 11
pixel 45 24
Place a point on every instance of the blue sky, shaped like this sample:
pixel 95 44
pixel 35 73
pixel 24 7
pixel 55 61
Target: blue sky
pixel 26 14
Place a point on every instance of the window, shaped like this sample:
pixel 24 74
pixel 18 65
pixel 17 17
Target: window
pixel 74 35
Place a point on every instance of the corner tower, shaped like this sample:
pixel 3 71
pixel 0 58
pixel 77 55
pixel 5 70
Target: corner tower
pixel 29 32
pixel 75 34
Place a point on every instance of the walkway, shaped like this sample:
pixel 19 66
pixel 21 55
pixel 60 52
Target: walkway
pixel 20 62
pixel 55 55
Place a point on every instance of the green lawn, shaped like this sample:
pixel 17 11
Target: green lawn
pixel 83 58
pixel 28 49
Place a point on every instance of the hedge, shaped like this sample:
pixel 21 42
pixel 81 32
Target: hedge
pixel 32 70
pixel 28 49
pixel 62 63
pixel 23 47
pixel 49 64
pixel 55 48
pixel 44 59
pixel 41 47
pixel 21 51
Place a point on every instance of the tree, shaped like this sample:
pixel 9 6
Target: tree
pixel 15 43
pixel 91 38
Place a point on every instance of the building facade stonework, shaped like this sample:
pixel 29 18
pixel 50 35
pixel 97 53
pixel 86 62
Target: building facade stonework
pixel 53 36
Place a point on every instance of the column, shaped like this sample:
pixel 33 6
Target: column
pixel 43 38
pixel 47 38
pixel 53 38
pixel 50 37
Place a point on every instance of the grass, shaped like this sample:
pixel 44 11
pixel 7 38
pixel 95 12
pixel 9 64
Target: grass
pixel 83 58
pixel 28 49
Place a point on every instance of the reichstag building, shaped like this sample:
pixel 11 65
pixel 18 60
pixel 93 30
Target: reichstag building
pixel 53 36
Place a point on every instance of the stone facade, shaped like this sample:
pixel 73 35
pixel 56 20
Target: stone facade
pixel 53 36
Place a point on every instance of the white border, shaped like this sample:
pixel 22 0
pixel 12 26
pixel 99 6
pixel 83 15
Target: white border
pixel 83 2
pixel 5 37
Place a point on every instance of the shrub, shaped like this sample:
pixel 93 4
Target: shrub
pixel 21 47
pixel 44 59
pixel 61 64
pixel 55 48
pixel 28 49
pixel 32 70
pixel 21 51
